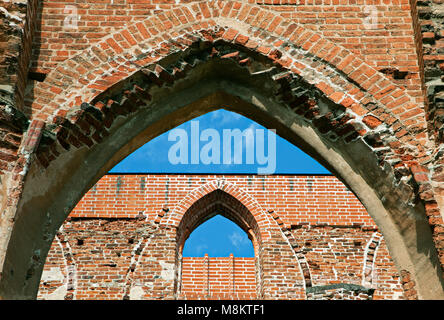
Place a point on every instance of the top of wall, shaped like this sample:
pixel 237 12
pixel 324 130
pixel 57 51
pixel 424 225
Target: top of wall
pixel 217 174
pixel 296 199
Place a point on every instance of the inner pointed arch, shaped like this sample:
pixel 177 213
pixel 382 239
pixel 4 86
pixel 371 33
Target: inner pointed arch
pixel 218 202
pixel 218 237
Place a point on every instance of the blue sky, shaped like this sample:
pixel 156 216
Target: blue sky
pixel 219 237
pixel 203 139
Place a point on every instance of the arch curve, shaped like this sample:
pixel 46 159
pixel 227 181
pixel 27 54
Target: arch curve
pixel 221 185
pixel 350 81
pixel 231 202
pixel 266 69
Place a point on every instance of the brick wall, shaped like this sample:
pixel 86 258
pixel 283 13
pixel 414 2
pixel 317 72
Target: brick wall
pixel 431 17
pixel 122 242
pixel 386 40
pixel 18 23
pixel 83 64
pixel 380 32
pixel 307 198
pixel 218 278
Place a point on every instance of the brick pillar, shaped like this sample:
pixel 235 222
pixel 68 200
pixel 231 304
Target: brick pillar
pixel 232 290
pixel 206 270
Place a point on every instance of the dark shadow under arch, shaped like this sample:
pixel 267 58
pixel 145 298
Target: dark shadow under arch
pixel 50 193
pixel 218 237
pixel 215 203
pixel 219 202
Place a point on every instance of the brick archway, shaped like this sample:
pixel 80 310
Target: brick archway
pixel 223 203
pixel 251 205
pixel 234 204
pixel 126 91
pixel 220 197
pixel 272 250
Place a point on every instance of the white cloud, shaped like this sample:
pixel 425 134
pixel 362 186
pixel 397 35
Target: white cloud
pixel 200 248
pixel 238 240
pixel 223 117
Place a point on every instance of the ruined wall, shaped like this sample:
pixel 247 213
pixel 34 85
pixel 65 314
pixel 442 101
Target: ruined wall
pixel 114 245
pixel 386 35
pixel 383 33
pixel 218 278
pixel 128 195
pixel 18 24
pixel 431 17
pixel 380 32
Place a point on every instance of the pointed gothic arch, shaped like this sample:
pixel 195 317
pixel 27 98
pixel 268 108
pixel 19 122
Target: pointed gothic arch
pixel 124 92
pixel 237 206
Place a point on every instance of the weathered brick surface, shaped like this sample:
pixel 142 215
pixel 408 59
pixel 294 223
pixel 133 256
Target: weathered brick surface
pixel 218 278
pixel 308 198
pixel 119 242
pixel 380 33
pixel 365 76
pixel 313 41
pixel 18 25
pixel 431 17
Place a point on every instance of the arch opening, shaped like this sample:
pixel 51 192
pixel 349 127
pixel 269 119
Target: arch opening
pixel 217 202
pixel 304 119
pixel 218 237
pixel 231 277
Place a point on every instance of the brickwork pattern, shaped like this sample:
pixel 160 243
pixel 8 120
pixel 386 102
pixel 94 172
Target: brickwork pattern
pixel 382 35
pixel 365 75
pixel 218 278
pixel 308 198
pixel 119 243
pixel 431 17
